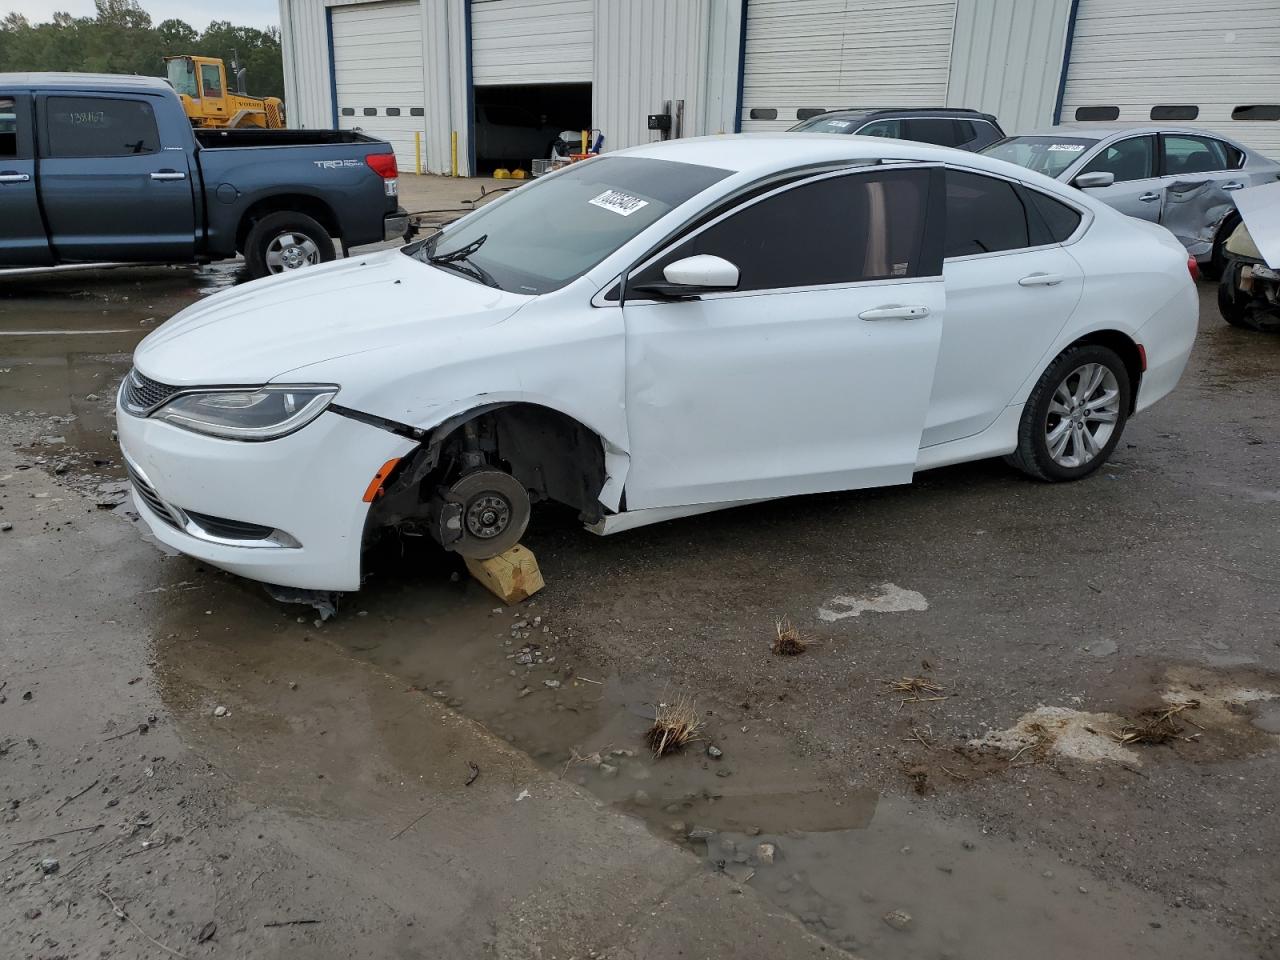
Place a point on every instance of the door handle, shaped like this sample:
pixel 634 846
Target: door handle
pixel 895 312
pixel 1233 185
pixel 1041 280
pixel 10 177
pixel 168 175
pixel 1148 197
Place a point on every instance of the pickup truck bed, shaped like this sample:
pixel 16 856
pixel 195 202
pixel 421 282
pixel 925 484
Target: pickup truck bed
pixel 98 168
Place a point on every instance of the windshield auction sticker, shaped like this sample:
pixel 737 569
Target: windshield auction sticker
pixel 620 203
pixel 1068 147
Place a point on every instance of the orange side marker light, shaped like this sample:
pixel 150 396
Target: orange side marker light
pixel 374 490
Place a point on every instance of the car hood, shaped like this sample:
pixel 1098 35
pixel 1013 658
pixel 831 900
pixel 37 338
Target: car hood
pixel 260 331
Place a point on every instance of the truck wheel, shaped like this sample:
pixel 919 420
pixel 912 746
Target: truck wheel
pixel 286 241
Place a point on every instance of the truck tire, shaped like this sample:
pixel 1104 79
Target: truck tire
pixel 286 241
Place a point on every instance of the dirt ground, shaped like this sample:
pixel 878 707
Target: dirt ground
pixel 1032 720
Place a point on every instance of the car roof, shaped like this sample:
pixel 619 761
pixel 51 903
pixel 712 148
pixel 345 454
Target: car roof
pixel 1108 132
pixel 761 154
pixel 96 82
pixel 904 112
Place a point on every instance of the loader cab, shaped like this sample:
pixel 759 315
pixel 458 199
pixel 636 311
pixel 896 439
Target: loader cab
pixel 201 82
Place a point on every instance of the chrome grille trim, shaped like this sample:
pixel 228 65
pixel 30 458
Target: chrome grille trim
pixel 147 494
pixel 142 395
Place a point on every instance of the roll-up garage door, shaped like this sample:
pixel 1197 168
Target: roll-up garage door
pixel 531 41
pixel 1196 64
pixel 811 55
pixel 377 72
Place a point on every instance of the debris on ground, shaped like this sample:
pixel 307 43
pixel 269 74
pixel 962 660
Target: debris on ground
pixel 915 688
pixel 50 865
pixel 325 602
pixel 789 642
pixel 898 919
pixel 221 711
pixel 766 852
pixel 1062 731
pixel 471 777
pixel 890 599
pixel 714 752
pixel 1158 725
pixel 675 726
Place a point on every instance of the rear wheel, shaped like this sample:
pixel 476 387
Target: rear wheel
pixel 286 241
pixel 1074 417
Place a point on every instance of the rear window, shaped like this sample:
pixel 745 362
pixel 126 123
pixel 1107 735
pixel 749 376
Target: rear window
pixel 100 127
pixel 825 125
pixel 1047 155
pixel 8 128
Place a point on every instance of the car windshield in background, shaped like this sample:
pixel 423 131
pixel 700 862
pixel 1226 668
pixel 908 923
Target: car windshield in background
pixel 824 125
pixel 550 232
pixel 1047 155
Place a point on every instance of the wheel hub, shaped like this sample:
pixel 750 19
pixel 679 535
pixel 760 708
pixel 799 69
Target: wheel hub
pixel 487 516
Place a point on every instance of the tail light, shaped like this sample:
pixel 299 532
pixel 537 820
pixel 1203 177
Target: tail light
pixel 384 165
pixel 1192 267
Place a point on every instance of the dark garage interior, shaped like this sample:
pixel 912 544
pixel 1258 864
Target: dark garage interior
pixel 517 123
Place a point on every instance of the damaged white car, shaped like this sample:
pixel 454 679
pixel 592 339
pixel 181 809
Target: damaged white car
pixel 652 334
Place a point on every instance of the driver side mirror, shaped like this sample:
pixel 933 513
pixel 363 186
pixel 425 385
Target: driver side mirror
pixel 1098 178
pixel 686 278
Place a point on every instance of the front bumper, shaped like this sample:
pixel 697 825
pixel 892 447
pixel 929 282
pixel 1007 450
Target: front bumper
pixel 306 488
pixel 398 226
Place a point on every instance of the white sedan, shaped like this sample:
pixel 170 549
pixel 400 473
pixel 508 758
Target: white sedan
pixel 656 333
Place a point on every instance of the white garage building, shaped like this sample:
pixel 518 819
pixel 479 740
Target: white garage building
pixel 496 75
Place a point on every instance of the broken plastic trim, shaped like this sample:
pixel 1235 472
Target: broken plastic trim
pixel 382 423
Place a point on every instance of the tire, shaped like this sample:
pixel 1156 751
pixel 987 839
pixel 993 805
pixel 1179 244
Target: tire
pixel 1233 307
pixel 495 513
pixel 1216 265
pixel 1060 397
pixel 286 241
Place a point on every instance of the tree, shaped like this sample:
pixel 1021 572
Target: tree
pixel 121 38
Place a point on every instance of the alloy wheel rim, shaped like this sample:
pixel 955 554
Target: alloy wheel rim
pixel 1082 416
pixel 291 251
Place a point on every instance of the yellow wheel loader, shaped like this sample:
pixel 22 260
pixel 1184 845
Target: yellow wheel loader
pixel 201 83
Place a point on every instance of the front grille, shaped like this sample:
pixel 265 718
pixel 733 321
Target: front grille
pixel 229 529
pixel 152 499
pixel 142 394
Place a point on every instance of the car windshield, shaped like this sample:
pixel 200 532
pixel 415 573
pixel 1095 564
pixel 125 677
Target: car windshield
pixel 182 76
pixel 550 232
pixel 1047 155
pixel 824 125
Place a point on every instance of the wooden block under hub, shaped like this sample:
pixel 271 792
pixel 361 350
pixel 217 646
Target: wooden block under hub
pixel 511 576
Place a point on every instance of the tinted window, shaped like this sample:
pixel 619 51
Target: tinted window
pixel 595 206
pixel 1131 159
pixel 1050 220
pixel 984 215
pixel 211 80
pixel 1097 113
pixel 97 127
pixel 348 111
pixel 943 132
pixel 882 128
pixel 8 128
pixel 808 113
pixel 393 111
pixel 965 131
pixel 1183 154
pixel 370 111
pixel 838 230
pixel 1175 112
pixel 764 113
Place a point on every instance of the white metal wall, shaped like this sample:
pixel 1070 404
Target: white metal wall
pixel 1214 54
pixel 648 53
pixel 531 41
pixel 378 72
pixel 304 39
pixel 823 54
pixel 1006 59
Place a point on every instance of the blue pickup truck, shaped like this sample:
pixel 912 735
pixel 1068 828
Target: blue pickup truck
pixel 107 169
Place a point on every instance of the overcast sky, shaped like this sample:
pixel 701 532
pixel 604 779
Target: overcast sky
pixel 198 13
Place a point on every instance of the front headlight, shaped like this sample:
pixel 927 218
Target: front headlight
pixel 262 413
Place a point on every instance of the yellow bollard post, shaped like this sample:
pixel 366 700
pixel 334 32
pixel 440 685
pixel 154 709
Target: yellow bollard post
pixel 454 149
pixel 417 152
pixel 586 137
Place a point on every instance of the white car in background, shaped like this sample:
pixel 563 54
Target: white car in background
pixel 1180 177
pixel 714 321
